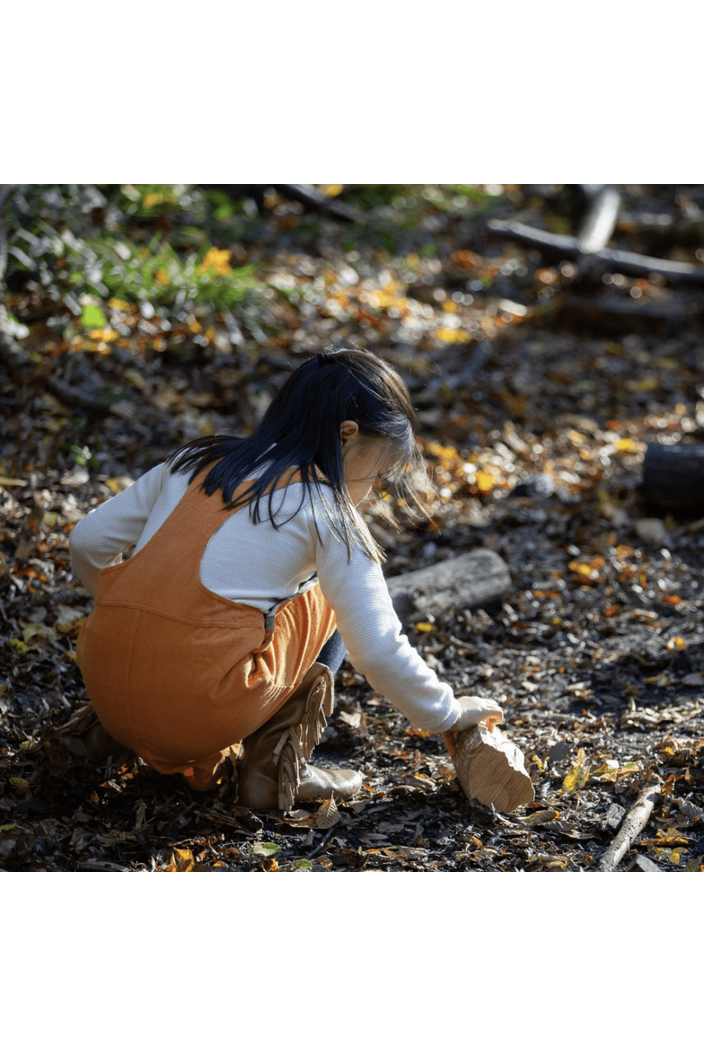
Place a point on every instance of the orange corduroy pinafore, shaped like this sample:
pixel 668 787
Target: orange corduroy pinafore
pixel 174 671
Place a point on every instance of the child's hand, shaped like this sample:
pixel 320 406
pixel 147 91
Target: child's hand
pixel 474 711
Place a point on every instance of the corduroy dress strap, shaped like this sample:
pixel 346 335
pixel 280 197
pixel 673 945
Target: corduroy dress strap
pixel 164 576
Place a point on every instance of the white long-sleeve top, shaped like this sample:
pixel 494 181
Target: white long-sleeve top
pixel 259 565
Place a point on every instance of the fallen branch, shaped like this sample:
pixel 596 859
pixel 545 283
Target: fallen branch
pixel 305 193
pixel 636 820
pixel 569 248
pixel 23 370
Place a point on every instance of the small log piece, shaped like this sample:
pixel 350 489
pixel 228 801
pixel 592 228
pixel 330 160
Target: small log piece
pixel 474 579
pixel 673 476
pixel 490 769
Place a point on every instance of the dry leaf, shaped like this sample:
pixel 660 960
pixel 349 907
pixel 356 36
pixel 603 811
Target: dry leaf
pixel 327 814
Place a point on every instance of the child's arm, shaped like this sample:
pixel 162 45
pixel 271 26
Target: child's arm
pixel 99 539
pixel 381 652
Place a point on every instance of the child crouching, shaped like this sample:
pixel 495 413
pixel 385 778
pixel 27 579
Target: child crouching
pixel 252 566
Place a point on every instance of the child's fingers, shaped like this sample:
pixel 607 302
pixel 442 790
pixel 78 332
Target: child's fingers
pixel 476 710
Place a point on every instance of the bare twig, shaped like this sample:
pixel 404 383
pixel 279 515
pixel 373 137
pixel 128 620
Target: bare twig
pixel 634 823
pixel 305 193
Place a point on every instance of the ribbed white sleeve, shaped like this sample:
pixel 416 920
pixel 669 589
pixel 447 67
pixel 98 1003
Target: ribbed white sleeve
pixel 259 565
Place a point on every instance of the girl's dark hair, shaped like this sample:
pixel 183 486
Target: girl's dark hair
pixel 301 430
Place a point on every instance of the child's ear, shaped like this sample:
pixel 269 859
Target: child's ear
pixel 348 431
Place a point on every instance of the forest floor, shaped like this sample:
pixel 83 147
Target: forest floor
pixel 535 415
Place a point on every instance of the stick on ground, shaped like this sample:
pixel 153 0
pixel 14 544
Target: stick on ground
pixel 634 823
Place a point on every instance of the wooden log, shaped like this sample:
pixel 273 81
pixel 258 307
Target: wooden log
pixel 477 578
pixel 673 476
pixel 636 820
pixel 490 769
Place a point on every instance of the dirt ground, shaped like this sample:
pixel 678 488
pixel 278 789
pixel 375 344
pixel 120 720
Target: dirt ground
pixel 535 425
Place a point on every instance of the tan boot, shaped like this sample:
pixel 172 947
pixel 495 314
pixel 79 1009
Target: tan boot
pixel 274 772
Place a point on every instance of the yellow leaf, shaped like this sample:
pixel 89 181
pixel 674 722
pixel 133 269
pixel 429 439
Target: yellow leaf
pixel 121 306
pixel 676 643
pixel 576 778
pixel 118 484
pixel 627 443
pixel 181 860
pixel 540 817
pixel 20 784
pixel 485 481
pixel 103 334
pixel 583 569
pixel 424 628
pixel 451 335
pixel 152 199
pixel 162 277
pixel 216 262
pixel 608 771
pixel 671 838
